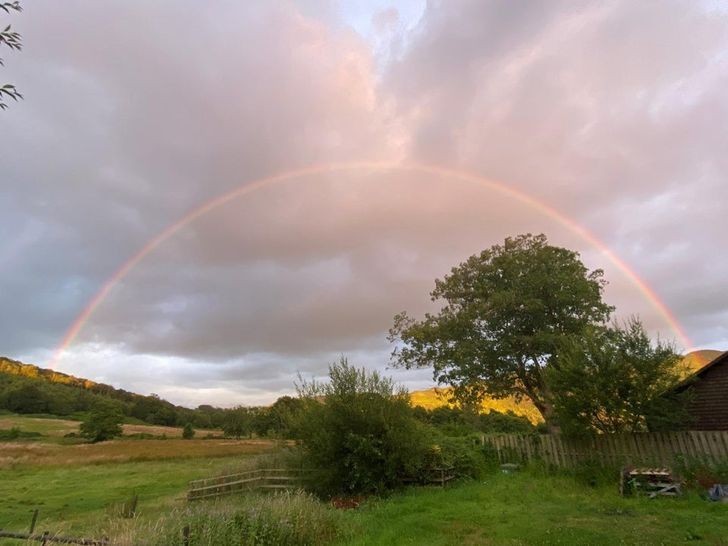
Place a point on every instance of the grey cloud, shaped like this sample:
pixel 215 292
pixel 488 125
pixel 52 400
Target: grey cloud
pixel 138 113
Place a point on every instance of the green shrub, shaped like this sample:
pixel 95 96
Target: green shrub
pixel 358 432
pixel 102 424
pixel 15 433
pixel 188 432
pixel 464 458
pixel 701 473
pixel 491 460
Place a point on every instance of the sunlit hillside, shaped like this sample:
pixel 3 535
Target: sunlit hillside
pixel 698 359
pixel 433 398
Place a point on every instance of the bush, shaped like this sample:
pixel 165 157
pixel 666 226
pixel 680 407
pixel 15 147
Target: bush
pixel 358 432
pixel 238 422
pixel 15 433
pixel 102 424
pixel 465 458
pixel 279 420
pixel 701 474
pixel 188 432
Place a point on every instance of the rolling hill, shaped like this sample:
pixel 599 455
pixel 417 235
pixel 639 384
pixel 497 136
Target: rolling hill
pixel 29 389
pixel 436 397
pixel 153 410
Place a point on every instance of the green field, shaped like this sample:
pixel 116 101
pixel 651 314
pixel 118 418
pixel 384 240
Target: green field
pixel 80 500
pixel 531 508
pixel 526 508
pixel 78 489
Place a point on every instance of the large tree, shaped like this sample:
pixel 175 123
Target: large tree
pixel 506 312
pixel 616 380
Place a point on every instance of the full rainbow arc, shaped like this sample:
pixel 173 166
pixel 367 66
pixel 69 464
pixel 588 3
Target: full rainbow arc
pixel 462 176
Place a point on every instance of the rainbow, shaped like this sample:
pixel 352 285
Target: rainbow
pixel 463 176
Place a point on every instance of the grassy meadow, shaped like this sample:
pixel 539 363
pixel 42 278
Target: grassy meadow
pixel 80 488
pixel 55 427
pixel 532 507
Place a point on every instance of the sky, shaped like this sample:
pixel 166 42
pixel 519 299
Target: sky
pixel 611 115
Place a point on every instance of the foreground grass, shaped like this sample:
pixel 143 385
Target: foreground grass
pixel 78 498
pixel 532 508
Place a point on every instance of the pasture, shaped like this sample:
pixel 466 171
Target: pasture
pixel 82 498
pixel 55 427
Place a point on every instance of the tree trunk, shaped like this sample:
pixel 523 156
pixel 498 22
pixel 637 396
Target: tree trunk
pixel 546 409
pixel 550 418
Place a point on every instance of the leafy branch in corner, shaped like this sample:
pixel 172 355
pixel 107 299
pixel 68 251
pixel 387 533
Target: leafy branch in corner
pixel 13 40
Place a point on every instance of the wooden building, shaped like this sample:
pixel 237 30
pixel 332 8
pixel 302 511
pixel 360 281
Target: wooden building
pixel 708 404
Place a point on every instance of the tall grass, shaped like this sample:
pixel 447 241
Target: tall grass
pixel 295 519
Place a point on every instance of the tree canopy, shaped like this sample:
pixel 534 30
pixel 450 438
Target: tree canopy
pixel 506 312
pixel 615 380
pixel 102 424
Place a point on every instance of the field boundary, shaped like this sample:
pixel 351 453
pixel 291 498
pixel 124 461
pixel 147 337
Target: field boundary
pixel 46 537
pixel 261 478
pixel 611 449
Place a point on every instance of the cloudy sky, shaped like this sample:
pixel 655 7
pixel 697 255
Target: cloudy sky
pixel 614 114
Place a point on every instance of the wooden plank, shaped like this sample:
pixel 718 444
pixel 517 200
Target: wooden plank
pixel 702 441
pixel 655 447
pixel 47 537
pixel 224 485
pixel 683 439
pixel 675 449
pixel 555 452
pixel 642 451
pixel 715 448
pixel 547 449
pixel 240 475
pixel 664 448
pixel 723 439
pixel 616 450
pixel 531 448
pixel 605 445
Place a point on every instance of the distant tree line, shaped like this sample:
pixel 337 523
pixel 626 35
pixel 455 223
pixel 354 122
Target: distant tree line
pixel 27 389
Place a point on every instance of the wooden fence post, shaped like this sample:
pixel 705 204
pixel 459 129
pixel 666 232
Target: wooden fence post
pixel 186 535
pixel 32 521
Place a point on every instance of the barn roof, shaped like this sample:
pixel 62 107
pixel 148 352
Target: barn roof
pixel 723 357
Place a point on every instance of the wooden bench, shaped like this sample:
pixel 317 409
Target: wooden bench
pixel 652 481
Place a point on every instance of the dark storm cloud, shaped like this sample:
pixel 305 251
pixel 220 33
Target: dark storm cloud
pixel 135 113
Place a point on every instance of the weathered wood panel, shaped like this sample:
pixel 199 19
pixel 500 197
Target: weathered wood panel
pixel 655 448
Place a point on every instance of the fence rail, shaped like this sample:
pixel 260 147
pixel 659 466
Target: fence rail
pixel 262 478
pixel 45 538
pixel 613 449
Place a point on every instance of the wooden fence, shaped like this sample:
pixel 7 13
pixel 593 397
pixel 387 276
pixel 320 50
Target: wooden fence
pixel 262 478
pixel 46 538
pixel 612 449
